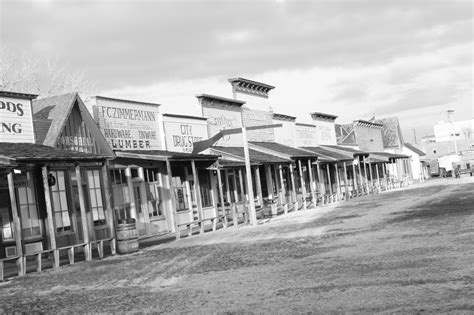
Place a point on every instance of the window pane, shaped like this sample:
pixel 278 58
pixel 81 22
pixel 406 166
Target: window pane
pixel 25 216
pixel 97 178
pixel 31 193
pixel 99 198
pixel 66 221
pixel 22 195
pixel 34 215
pixel 95 216
pixel 92 197
pixel 60 180
pixel 63 200
pixel 90 179
pixel 59 221
pixel 56 203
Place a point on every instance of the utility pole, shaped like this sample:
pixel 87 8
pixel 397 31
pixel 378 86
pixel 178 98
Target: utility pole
pixel 450 116
pixel 414 135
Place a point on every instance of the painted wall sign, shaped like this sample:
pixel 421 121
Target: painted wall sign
pixel 181 134
pixel 223 117
pixel 16 120
pixel 305 136
pixel 128 125
pixel 253 117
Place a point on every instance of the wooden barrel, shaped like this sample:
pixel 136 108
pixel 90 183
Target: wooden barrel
pixel 127 236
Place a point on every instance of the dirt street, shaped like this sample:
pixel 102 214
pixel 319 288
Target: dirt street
pixel 405 251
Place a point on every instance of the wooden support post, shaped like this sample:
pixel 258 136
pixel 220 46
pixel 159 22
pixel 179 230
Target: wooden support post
pixel 133 205
pixel 293 188
pixel 38 262
pixel 283 189
pixel 109 214
pixel 85 221
pixel 70 255
pixel 365 175
pixel 360 178
pixel 303 185
pixel 354 179
pixel 338 182
pixel 50 217
pixel 371 176
pixel 259 186
pixel 384 170
pixel 378 176
pixel 17 230
pixel 330 182
pixel 234 179
pixel 346 181
pixel 312 183
pixel 197 189
pixel 226 174
pixel 144 204
pixel 277 185
pixel 235 218
pixel 251 204
pixel 322 190
pixel 271 196
pixel 221 194
pixel 242 187
pixel 174 217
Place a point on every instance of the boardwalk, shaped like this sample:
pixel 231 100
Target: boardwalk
pixel 402 251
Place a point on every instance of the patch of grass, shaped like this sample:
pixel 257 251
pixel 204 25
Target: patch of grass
pixel 459 203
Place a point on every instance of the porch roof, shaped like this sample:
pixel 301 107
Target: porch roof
pixel 255 156
pixel 285 149
pixel 31 152
pixel 163 155
pixel 327 155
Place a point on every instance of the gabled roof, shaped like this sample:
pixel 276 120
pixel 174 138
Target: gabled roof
pixel 31 152
pixel 284 149
pixel 414 149
pixel 255 156
pixel 51 115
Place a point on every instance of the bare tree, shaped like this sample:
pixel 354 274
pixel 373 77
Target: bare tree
pixel 18 72
pixel 26 73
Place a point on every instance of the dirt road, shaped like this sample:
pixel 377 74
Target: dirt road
pixel 409 250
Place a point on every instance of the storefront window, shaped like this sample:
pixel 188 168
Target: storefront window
pixel 60 203
pixel 205 187
pixel 180 194
pixel 120 193
pixel 153 194
pixel 95 195
pixel 5 215
pixel 27 204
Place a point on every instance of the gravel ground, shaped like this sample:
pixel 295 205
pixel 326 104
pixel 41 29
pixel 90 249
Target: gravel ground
pixel 405 251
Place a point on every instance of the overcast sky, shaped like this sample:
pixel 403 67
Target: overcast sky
pixel 412 59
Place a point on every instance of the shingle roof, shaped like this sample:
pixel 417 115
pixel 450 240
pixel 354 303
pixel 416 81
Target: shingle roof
pixel 55 108
pixel 284 149
pixel 168 155
pixel 352 151
pixel 255 156
pixel 25 152
pixel 326 155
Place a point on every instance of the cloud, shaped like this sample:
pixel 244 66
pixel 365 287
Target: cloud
pixel 350 58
